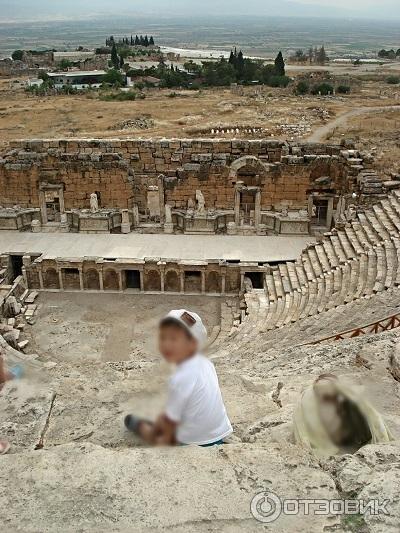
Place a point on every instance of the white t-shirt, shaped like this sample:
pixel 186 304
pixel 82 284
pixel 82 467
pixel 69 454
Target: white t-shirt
pixel 195 403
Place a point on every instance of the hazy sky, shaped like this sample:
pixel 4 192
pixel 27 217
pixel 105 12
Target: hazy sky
pixel 45 9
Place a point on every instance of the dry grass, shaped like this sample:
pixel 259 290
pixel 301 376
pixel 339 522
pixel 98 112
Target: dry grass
pixel 187 114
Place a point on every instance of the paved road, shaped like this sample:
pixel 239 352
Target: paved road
pixel 322 133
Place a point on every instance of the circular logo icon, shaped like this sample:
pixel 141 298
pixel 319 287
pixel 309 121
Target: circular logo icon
pixel 266 507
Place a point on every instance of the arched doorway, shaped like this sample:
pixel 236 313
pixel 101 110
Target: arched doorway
pixel 153 281
pixel 172 281
pixel 51 279
pixel 92 281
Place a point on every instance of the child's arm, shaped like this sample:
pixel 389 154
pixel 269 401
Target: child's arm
pixel 165 431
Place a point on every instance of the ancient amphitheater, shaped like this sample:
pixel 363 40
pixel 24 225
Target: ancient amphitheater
pixel 291 253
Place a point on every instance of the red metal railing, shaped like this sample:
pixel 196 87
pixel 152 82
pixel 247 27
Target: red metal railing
pixel 385 324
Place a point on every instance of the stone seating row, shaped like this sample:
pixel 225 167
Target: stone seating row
pixel 356 261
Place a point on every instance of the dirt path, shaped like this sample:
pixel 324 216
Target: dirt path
pixel 322 133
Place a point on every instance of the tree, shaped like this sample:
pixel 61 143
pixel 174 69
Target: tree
pixel 310 54
pixel 114 56
pixel 121 62
pixel 300 56
pixel 146 41
pixel 240 65
pixel 302 87
pixel 64 64
pixel 17 55
pixel 279 65
pixel 232 58
pixel 151 41
pixel 321 57
pixel 137 41
pixel 114 77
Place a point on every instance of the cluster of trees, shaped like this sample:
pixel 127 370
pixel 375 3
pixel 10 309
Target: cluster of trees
pixel 237 69
pixel 389 54
pixel 323 88
pixel 131 41
pixel 315 55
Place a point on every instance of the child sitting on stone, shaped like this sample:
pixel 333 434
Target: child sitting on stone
pixel 195 412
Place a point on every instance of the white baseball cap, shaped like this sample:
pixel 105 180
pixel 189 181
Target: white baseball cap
pixel 191 322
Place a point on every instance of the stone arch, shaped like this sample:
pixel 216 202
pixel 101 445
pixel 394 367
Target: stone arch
pixel 213 282
pixel 192 281
pixel 51 279
pixel 247 164
pixel 91 280
pixel 172 283
pixel 153 280
pixel 111 280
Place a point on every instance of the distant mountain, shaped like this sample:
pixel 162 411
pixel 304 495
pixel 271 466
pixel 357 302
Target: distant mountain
pixel 51 9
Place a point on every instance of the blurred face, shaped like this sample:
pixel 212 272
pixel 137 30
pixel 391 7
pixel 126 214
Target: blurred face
pixel 175 344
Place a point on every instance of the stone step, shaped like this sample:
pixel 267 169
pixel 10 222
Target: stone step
pixel 270 287
pixel 338 248
pixel 301 274
pixel 294 280
pixel 314 261
pixel 346 245
pixel 391 213
pixel 353 239
pixel 330 252
pixel 322 258
pixel 377 226
pixel 285 279
pixel 369 231
pixel 380 269
pixel 278 283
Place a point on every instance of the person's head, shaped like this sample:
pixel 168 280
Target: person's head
pixel 181 334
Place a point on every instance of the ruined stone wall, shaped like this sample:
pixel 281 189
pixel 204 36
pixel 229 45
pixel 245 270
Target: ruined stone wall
pixel 121 171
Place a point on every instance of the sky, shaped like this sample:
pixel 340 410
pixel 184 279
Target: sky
pixel 48 9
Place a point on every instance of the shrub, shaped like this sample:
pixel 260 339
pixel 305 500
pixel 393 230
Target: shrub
pixel 119 97
pixel 17 55
pixel 323 89
pixel 303 87
pixel 343 89
pixel 279 81
pixel 393 80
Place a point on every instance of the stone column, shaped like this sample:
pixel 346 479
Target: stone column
pixel 60 279
pixel 223 282
pixel 61 199
pixel 40 273
pixel 182 275
pixel 241 281
pixel 203 281
pixel 161 266
pixel 81 279
pixel 43 210
pixel 237 207
pixel 257 209
pixel 310 205
pixel 125 222
pixel 101 282
pixel 329 214
pixel 141 274
pixel 161 196
pixel 120 280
